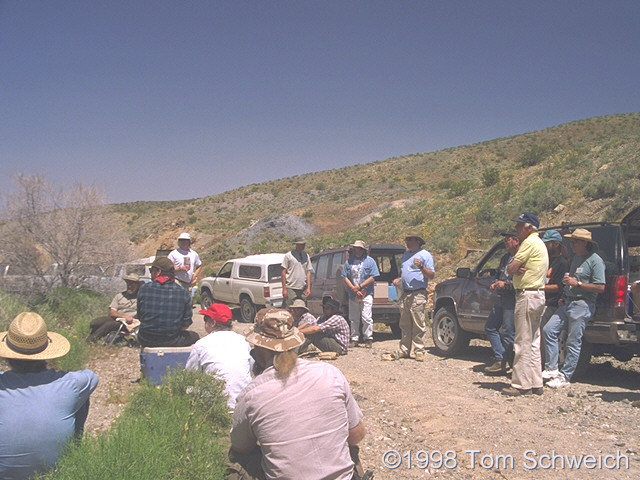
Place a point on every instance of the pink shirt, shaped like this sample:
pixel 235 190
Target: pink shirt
pixel 301 422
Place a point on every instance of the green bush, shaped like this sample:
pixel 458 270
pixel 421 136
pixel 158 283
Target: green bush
pixel 533 156
pixel 175 431
pixel 490 176
pixel 542 196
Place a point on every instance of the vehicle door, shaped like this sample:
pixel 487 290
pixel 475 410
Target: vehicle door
pixel 319 278
pixel 222 284
pixel 476 300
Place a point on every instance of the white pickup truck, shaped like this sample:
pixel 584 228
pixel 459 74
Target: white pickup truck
pixel 251 282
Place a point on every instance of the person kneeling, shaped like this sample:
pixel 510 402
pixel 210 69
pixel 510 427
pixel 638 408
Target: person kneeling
pixel 330 333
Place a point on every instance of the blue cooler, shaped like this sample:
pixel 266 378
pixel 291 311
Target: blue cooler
pixel 154 361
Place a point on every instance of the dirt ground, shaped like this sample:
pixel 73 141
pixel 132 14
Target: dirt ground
pixel 444 418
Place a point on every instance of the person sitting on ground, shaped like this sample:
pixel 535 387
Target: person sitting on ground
pixel 301 313
pixel 164 309
pixel 501 315
pixel 222 352
pixel 267 439
pixel 330 332
pixel 124 305
pixel 41 409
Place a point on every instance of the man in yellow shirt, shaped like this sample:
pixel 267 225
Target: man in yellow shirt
pixel 529 270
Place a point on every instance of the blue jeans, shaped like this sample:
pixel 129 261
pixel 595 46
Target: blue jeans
pixel 574 317
pixel 500 316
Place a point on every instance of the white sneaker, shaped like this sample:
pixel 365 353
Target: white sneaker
pixel 550 374
pixel 558 382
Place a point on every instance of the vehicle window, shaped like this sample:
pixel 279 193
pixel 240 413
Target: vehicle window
pixel 323 263
pixel 336 261
pixel 253 272
pixel 225 271
pixel 274 272
pixel 387 265
pixel 490 266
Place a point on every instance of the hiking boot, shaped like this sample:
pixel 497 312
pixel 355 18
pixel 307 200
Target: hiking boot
pixel 514 392
pixel 495 368
pixel 368 343
pixel 550 374
pixel 558 382
pixel 420 356
pixel 537 391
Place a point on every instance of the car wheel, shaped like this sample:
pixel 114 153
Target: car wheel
pixel 247 310
pixel 448 338
pixel 206 299
pixel 586 351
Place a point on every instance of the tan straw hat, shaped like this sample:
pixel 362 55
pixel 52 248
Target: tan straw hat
pixel 581 234
pixel 274 330
pixel 359 244
pixel 28 339
pixel 299 303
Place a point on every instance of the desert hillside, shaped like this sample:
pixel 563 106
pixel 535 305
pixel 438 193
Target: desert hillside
pixel 459 198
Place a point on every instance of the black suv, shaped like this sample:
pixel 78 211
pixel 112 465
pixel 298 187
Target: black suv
pixel 462 304
pixel 327 282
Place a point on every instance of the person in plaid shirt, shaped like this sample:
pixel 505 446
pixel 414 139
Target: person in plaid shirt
pixel 330 332
pixel 164 309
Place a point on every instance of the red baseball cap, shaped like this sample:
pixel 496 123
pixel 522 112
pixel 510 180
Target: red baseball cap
pixel 218 312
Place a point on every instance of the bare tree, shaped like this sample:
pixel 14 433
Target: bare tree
pixel 52 233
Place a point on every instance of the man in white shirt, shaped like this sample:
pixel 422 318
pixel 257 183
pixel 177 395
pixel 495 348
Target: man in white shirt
pixel 186 262
pixel 223 352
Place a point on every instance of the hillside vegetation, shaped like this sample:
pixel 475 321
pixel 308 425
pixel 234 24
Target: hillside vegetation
pixel 459 198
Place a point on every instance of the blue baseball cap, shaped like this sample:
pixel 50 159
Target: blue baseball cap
pixel 552 236
pixel 526 217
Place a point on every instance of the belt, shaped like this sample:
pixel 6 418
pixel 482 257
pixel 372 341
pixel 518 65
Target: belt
pixel 414 290
pixel 520 290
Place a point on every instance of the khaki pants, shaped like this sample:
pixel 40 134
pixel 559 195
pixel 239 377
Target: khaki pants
pixel 412 309
pixel 527 364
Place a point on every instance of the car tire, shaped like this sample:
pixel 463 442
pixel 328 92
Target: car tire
pixel 206 299
pixel 247 310
pixel 448 338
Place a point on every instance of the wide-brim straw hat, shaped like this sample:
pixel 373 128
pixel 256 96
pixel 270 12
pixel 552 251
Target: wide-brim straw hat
pixel 359 244
pixel 581 234
pixel 413 234
pixel 274 330
pixel 28 339
pixel 299 303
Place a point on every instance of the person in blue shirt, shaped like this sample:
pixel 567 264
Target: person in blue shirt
pixel 359 274
pixel 417 270
pixel 41 409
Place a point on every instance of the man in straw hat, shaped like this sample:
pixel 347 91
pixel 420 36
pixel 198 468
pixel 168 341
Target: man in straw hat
pixel 585 280
pixel 359 273
pixel 298 418
pixel 124 305
pixel 296 273
pixel 529 270
pixel 41 409
pixel 417 270
pixel 164 309
pixel 222 352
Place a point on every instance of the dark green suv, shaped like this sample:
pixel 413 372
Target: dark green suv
pixel 462 304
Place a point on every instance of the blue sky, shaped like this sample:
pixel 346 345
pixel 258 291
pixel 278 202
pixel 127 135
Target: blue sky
pixel 171 100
